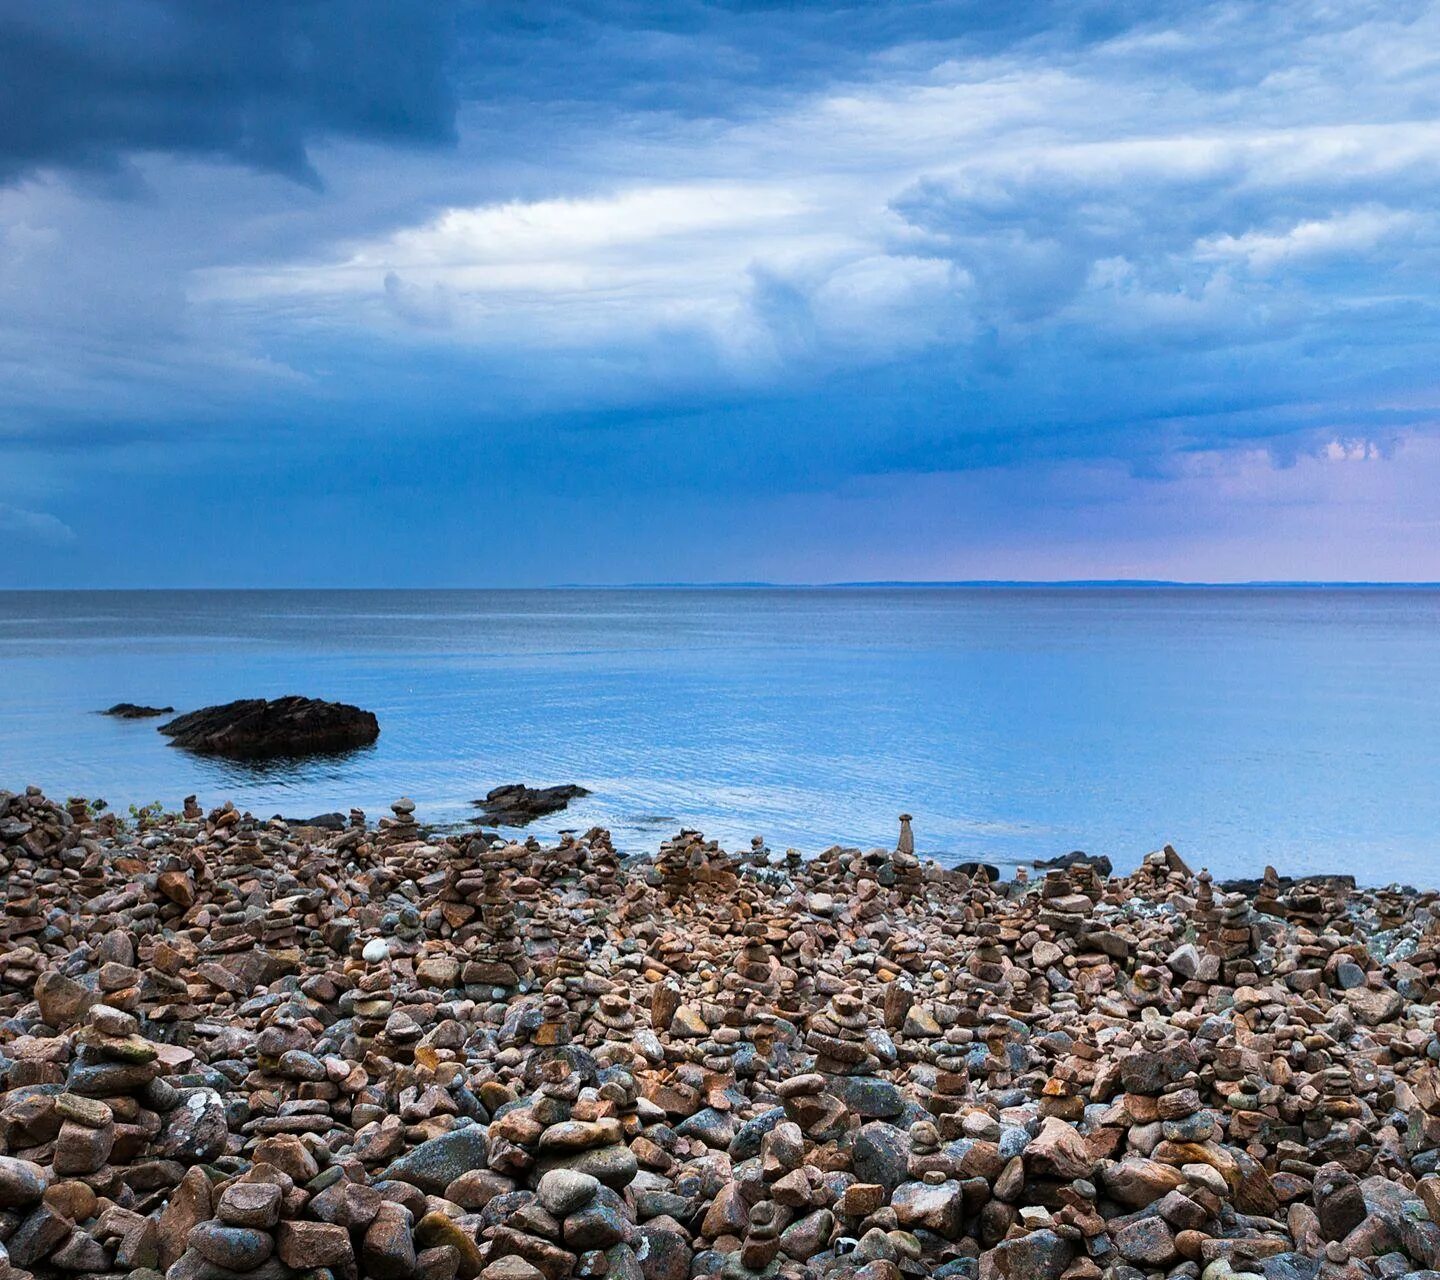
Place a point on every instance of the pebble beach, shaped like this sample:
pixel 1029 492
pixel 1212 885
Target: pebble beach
pixel 239 1047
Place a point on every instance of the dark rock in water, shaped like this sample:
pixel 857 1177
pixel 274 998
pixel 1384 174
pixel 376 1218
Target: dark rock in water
pixel 134 711
pixel 972 869
pixel 257 728
pixel 321 821
pixel 515 804
pixel 1077 858
pixel 1342 883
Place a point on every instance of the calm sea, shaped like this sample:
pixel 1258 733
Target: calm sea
pixel 1299 727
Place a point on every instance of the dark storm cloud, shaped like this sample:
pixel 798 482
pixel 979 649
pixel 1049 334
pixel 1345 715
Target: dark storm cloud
pixel 727 57
pixel 84 85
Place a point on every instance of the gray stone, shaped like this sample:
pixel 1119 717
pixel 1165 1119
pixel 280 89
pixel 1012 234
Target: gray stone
pixel 870 1098
pixel 563 1191
pixel 882 1154
pixel 250 1204
pixel 748 1136
pixel 1040 1255
pixel 196 1131
pixel 1148 1243
pixel 434 1165
pixel 599 1224
pixel 935 1207
pixel 234 1248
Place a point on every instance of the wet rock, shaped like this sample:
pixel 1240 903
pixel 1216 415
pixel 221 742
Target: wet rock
pixel 234 1248
pixel 1147 1244
pixel 62 1000
pixel 250 1204
pixel 388 1248
pixel 882 1154
pixel 196 1130
pixel 564 1191
pixel 39 1233
pixel 1339 1202
pixel 254 728
pixel 937 1207
pixel 518 805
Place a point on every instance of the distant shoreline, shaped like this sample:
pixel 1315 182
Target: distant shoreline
pixel 976 584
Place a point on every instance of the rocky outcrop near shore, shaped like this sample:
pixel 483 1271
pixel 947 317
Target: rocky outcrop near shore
pixel 232 1049
pixel 135 711
pixel 517 805
pixel 258 729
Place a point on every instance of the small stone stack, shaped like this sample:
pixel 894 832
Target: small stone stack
pixel 1063 910
pixel 497 956
pixel 677 865
pixel 400 827
pixel 755 970
pixel 33 827
pixel 116 1135
pixel 986 964
pixel 570 960
pixel 1267 896
pixel 1236 938
pixel 601 864
pixel 759 856
pixel 837 1037
pixel 1161 874
pixel 612 1029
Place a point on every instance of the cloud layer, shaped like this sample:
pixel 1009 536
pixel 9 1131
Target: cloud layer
pixel 722 259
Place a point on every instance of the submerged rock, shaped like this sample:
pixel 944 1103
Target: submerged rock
pixel 134 711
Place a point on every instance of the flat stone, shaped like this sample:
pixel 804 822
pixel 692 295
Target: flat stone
pixel 1039 1255
pixel 307 1245
pixel 250 1204
pixel 234 1248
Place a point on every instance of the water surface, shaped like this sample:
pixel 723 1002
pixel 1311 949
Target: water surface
pixel 1299 727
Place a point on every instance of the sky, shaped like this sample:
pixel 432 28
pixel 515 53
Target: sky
pixel 381 293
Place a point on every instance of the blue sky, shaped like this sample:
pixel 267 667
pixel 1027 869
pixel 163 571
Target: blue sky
pixel 383 293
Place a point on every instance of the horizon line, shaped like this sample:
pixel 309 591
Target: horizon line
pixel 766 585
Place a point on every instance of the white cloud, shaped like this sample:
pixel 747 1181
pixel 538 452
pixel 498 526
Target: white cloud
pixel 564 271
pixel 1354 232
